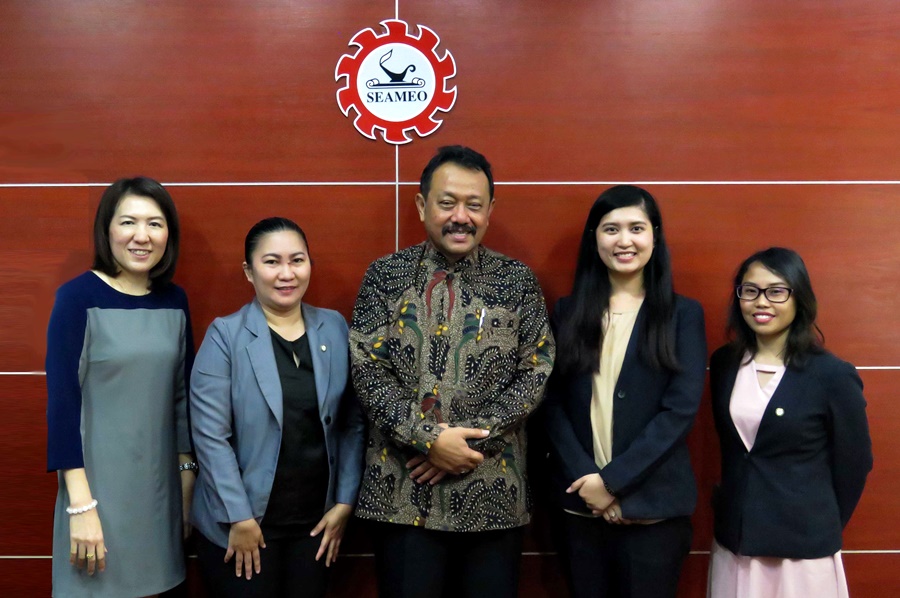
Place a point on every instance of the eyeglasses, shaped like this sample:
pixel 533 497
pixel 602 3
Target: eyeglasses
pixel 749 292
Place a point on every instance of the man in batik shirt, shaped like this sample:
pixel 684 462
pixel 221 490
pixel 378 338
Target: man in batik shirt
pixel 451 349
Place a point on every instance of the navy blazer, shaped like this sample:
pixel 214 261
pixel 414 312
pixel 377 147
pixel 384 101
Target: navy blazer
pixel 653 411
pixel 794 491
pixel 236 416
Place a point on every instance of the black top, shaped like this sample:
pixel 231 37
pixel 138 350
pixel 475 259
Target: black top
pixel 301 477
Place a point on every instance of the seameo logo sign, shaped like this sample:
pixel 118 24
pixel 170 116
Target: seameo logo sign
pixel 396 82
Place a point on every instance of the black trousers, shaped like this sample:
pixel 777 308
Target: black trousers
pixel 623 561
pixel 288 568
pixel 412 562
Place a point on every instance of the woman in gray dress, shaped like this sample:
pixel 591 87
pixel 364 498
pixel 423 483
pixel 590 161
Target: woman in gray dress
pixel 119 348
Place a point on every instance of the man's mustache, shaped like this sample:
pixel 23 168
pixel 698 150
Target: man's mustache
pixel 452 229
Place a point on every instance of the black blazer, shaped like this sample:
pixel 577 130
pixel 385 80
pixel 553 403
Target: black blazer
pixel 792 494
pixel 653 411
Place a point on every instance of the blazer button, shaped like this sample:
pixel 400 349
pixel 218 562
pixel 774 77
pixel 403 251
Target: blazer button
pixel 327 420
pixel 621 394
pixel 746 455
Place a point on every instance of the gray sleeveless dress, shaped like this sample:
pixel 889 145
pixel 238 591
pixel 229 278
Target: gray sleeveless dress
pixel 133 422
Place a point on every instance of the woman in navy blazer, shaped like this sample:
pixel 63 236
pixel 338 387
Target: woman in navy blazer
pixel 277 430
pixel 791 420
pixel 623 395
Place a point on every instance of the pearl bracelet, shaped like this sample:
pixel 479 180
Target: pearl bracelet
pixel 79 510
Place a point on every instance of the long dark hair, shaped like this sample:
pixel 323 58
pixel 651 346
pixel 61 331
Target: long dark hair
pixel 161 274
pixel 804 336
pixel 581 335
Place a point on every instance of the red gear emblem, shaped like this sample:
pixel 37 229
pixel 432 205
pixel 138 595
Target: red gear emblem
pixel 395 106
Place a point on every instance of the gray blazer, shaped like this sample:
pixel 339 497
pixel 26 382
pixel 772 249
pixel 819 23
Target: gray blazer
pixel 236 416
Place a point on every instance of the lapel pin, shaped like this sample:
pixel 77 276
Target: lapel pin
pixel 324 348
pixel 779 412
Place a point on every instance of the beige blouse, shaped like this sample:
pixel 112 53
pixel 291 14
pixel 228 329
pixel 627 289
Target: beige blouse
pixel 618 327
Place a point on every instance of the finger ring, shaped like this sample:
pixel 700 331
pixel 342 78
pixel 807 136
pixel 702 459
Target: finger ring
pixel 613 515
pixel 89 556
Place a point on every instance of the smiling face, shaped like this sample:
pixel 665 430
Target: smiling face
pixel 769 321
pixel 625 241
pixel 138 233
pixel 457 210
pixel 279 271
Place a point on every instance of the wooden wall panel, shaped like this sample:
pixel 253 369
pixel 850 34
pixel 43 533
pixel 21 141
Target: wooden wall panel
pixel 554 94
pixel 26 488
pixel 661 90
pixel 710 229
pixel 51 242
pixel 209 90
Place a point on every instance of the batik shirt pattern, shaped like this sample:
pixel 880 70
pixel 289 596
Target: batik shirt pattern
pixel 466 344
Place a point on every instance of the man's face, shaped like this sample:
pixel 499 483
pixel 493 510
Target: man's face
pixel 457 210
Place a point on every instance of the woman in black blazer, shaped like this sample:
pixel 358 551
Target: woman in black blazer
pixel 795 443
pixel 626 386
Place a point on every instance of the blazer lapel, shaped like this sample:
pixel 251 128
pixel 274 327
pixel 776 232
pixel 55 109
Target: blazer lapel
pixel 262 359
pixel 320 350
pixel 787 389
pixel 632 349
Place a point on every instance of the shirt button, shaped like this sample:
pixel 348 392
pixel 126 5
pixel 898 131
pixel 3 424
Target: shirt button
pixel 331 459
pixel 327 420
pixel 324 348
pixel 621 394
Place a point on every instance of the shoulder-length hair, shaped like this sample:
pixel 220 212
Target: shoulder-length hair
pixel 581 334
pixel 161 274
pixel 804 336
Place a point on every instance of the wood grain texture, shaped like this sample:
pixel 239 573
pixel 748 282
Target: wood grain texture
pixel 46 240
pixel 208 90
pixel 640 90
pixel 710 229
pixel 659 90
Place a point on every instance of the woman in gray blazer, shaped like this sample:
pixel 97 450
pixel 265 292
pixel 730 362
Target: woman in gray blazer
pixel 277 430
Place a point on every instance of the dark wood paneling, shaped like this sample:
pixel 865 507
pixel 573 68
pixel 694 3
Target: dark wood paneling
pixel 844 234
pixel 875 524
pixel 28 491
pixel 45 237
pixel 872 575
pixel 648 90
pixel 209 90
pixel 656 90
pixel 25 577
pixel 347 228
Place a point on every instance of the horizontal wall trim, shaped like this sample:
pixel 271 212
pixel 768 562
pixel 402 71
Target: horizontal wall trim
pixel 861 367
pixel 368 555
pixel 411 183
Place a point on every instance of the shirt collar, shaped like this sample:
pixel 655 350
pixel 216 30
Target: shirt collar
pixel 431 254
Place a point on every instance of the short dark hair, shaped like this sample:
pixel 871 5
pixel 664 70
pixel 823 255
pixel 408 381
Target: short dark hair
pixel 161 274
pixel 581 336
pixel 804 336
pixel 460 155
pixel 275 224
